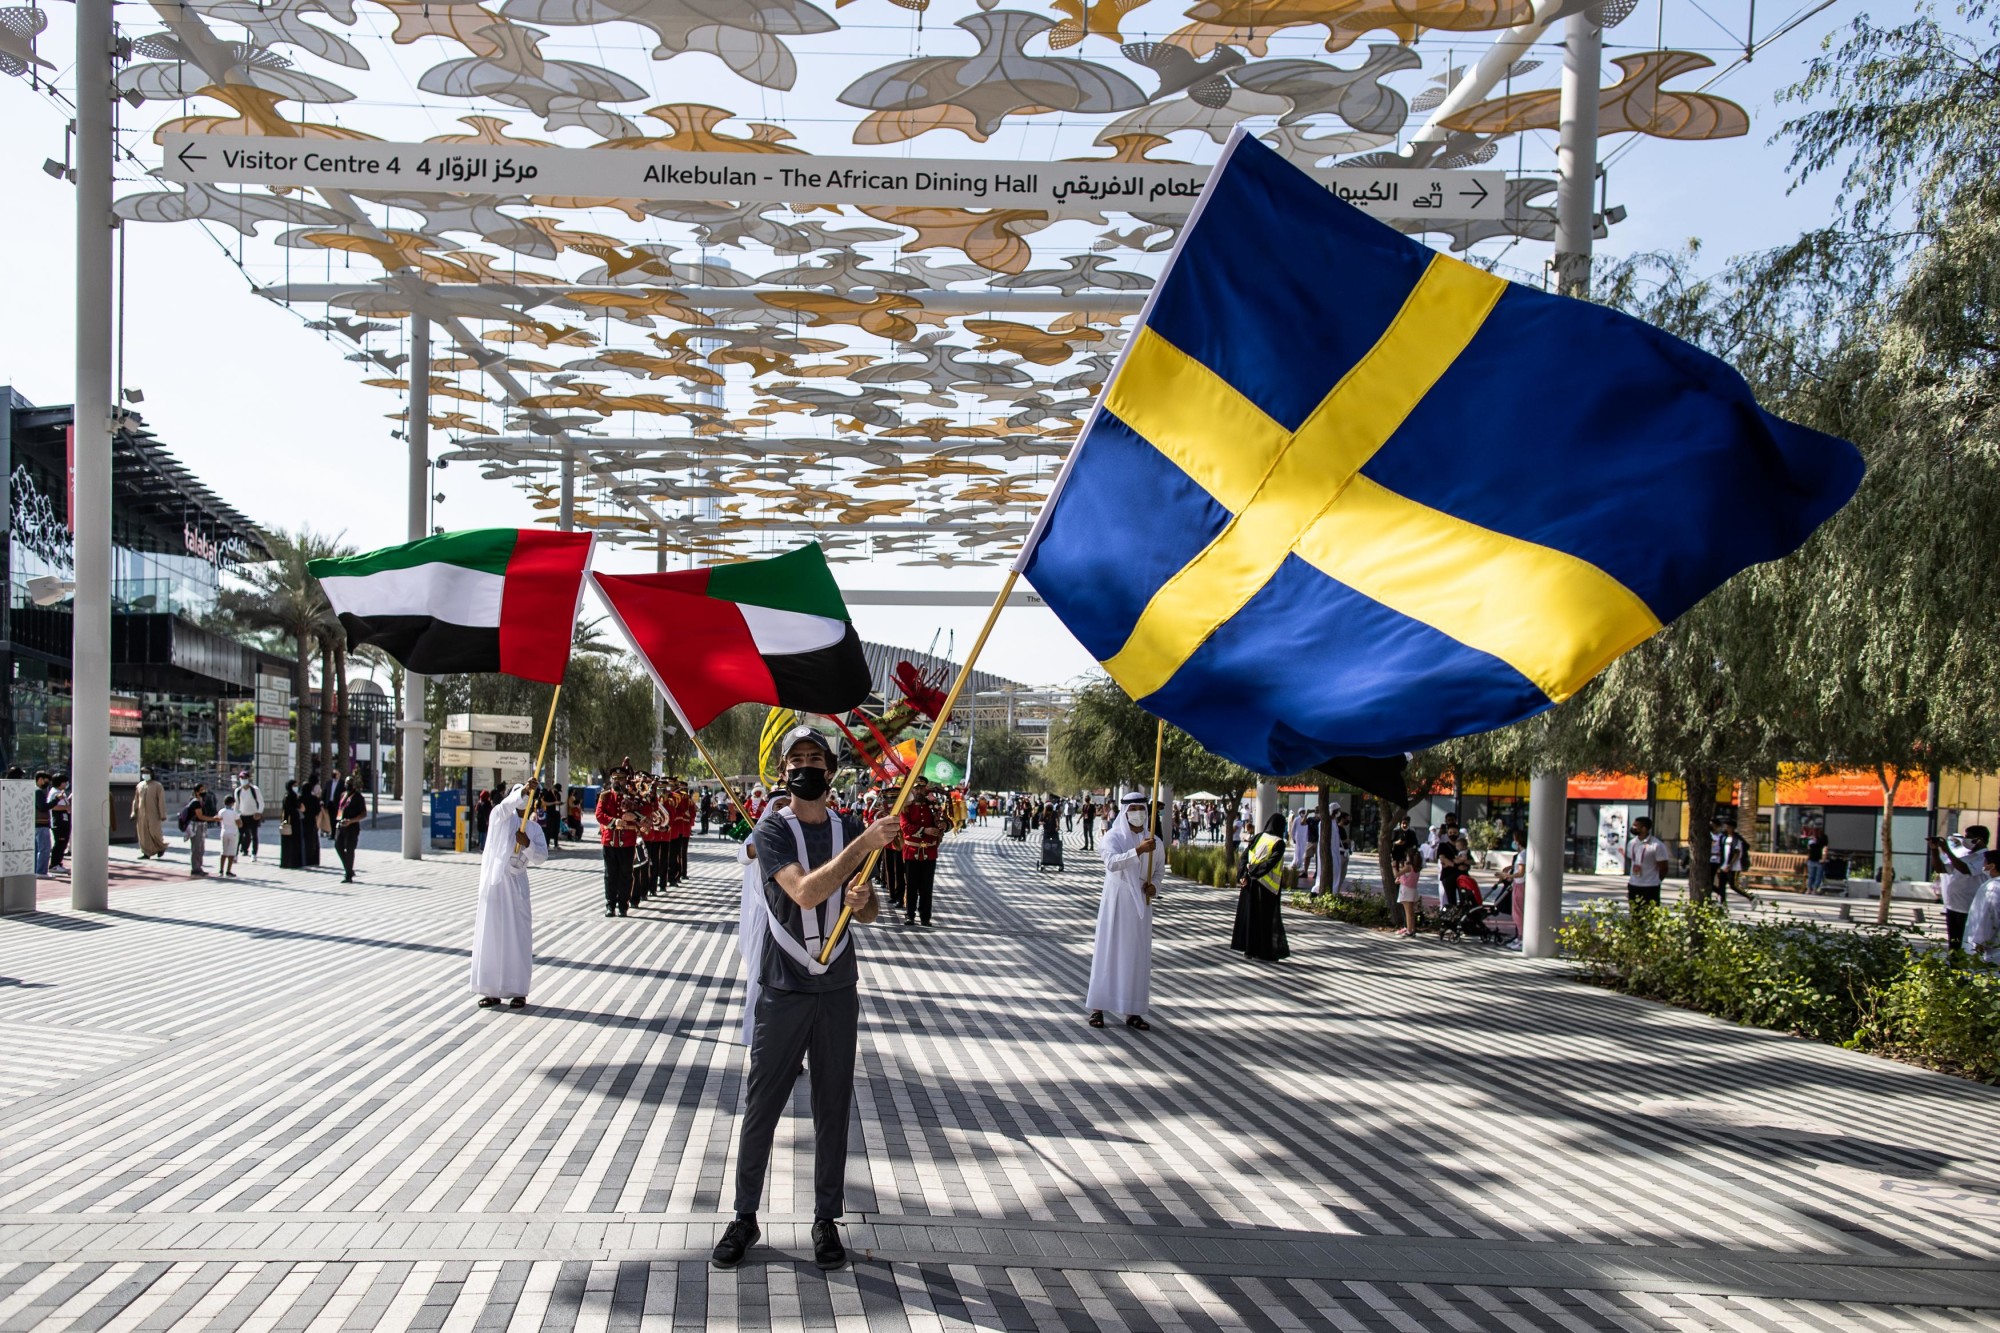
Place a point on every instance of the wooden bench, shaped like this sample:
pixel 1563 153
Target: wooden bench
pixel 1775 870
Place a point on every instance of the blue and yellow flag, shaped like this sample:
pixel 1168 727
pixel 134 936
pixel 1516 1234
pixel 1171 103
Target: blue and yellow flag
pixel 1347 496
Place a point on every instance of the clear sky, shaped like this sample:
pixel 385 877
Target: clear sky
pixel 271 417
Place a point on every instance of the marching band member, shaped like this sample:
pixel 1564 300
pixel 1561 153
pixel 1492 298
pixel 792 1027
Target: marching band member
pixel 618 831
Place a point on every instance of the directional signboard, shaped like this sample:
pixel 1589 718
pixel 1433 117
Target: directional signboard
pixel 474 740
pixel 1060 189
pixel 514 762
pixel 500 724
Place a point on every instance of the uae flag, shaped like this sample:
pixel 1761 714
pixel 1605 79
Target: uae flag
pixel 497 599
pixel 760 632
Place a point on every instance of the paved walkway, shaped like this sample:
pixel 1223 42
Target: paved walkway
pixel 269 1104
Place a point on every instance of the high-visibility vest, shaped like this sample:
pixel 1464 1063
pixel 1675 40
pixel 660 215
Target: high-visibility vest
pixel 1266 844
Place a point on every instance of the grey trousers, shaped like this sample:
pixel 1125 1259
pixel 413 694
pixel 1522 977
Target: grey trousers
pixel 820 1028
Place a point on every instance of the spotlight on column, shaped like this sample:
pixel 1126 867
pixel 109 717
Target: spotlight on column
pixel 55 169
pixel 1614 215
pixel 439 497
pixel 133 98
pixel 134 395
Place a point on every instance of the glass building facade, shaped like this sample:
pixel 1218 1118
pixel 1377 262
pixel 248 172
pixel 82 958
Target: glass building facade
pixel 173 540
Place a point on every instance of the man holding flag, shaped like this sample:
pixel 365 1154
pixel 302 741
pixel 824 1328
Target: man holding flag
pixel 777 632
pixel 807 1011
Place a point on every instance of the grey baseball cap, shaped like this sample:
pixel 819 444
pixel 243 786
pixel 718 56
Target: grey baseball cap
pixel 797 734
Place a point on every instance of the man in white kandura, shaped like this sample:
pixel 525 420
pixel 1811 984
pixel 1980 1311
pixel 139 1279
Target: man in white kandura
pixel 1121 970
pixel 503 929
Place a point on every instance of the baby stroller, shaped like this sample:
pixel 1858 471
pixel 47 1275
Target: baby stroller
pixel 1468 914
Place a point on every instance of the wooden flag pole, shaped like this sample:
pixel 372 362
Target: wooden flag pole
pixel 548 730
pixel 1153 804
pixel 923 755
pixel 716 769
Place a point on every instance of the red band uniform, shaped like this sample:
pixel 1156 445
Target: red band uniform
pixel 680 811
pixel 923 830
pixel 653 832
pixel 889 867
pixel 618 832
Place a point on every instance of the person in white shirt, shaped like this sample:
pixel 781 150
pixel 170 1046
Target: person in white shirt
pixel 250 810
pixel 1982 922
pixel 1959 878
pixel 227 825
pixel 1646 860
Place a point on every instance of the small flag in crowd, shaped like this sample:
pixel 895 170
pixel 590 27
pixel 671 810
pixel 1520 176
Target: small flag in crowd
pixel 495 599
pixel 1345 495
pixel 762 631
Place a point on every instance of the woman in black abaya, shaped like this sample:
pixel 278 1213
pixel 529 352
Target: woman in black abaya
pixel 1260 921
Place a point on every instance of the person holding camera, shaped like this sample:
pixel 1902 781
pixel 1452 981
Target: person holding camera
pixel 1961 872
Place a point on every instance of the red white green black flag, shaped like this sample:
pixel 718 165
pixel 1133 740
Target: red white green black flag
pixel 762 631
pixel 496 599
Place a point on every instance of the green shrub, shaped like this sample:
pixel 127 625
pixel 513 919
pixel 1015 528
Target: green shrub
pixel 1356 909
pixel 1865 989
pixel 1944 1010
pixel 1204 864
pixel 1209 864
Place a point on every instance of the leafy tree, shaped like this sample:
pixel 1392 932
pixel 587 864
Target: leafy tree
pixel 243 729
pixel 280 596
pixel 605 713
pixel 1107 741
pixel 1903 678
pixel 1003 758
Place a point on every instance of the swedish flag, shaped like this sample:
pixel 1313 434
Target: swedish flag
pixel 1347 496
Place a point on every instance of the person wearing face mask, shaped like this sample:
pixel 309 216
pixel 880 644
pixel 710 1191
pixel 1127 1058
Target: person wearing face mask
pixel 809 860
pixel 1121 965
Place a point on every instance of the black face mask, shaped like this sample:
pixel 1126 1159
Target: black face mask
pixel 806 784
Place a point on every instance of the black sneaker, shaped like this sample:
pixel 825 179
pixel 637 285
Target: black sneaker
pixel 737 1238
pixel 828 1252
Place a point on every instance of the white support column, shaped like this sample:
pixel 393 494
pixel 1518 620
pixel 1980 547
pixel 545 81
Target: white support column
pixel 1576 153
pixel 1489 72
pixel 410 742
pixel 90 646
pixel 1541 911
pixel 1576 150
pixel 1267 805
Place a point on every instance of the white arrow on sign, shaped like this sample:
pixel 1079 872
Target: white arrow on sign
pixel 1059 189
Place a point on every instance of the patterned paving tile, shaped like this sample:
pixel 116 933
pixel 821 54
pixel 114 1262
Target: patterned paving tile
pixel 270 1104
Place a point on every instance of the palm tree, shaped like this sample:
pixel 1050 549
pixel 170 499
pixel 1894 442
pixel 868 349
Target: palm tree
pixel 589 638
pixel 282 597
